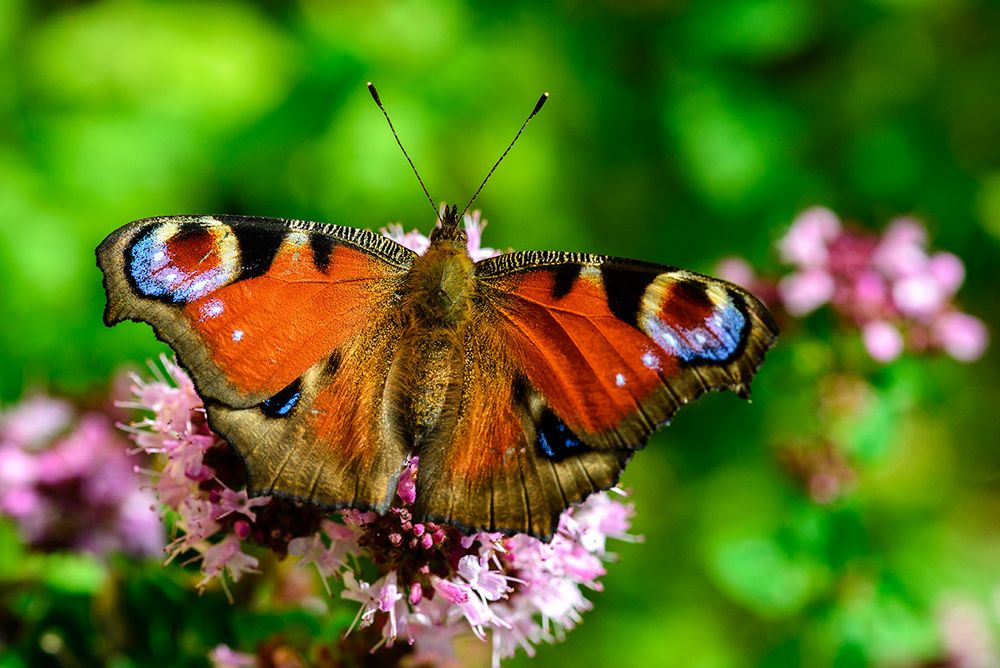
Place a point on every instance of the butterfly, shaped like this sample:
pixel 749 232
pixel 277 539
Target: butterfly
pixel 328 355
pixel 524 382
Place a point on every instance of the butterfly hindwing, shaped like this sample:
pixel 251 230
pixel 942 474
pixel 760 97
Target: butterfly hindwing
pixel 319 440
pixel 509 463
pixel 285 327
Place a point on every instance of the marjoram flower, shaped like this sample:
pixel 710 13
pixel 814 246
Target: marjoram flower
pixel 66 481
pixel 890 287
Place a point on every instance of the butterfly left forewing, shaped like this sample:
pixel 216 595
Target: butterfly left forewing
pixel 248 304
pixel 286 328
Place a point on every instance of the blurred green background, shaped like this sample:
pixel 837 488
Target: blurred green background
pixel 677 132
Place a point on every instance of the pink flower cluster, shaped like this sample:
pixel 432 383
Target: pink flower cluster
pixel 889 286
pixel 209 517
pixel 432 582
pixel 436 582
pixel 67 482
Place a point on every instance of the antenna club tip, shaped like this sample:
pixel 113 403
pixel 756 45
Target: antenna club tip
pixel 541 102
pixel 374 93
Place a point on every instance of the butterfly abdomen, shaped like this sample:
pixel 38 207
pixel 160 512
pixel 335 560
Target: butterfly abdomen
pixel 424 385
pixel 425 382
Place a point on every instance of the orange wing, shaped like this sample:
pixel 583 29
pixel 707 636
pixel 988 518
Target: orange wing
pixel 617 346
pixel 573 361
pixel 287 328
pixel 489 471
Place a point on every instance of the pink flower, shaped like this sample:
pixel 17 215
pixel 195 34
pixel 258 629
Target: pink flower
pixel 489 585
pixel 389 597
pixel 948 270
pixel 966 635
pixel 226 557
pixel 407 486
pixel 474 226
pixel 736 270
pixel 364 593
pixel 806 242
pixel 17 467
pixel 328 560
pixel 805 291
pixel 889 287
pixel 919 295
pixel 170 397
pixel 883 341
pixel 465 603
pixel 418 243
pixel 599 519
pixel 900 252
pixel 961 335
pixel 67 481
pixel 213 518
pixel 34 421
pixel 870 293
pixel 225 657
pixel 198 518
pixel 232 501
pixel 413 239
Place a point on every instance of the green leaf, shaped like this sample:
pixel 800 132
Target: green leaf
pixel 74 573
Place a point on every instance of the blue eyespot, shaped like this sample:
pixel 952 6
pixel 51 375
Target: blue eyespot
pixel 555 439
pixel 715 340
pixel 281 404
pixel 155 272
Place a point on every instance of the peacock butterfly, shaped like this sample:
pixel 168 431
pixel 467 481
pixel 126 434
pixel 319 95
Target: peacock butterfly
pixel 326 355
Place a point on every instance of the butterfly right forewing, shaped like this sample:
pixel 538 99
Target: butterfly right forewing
pixel 573 362
pixel 617 346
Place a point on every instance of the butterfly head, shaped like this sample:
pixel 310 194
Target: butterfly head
pixel 449 228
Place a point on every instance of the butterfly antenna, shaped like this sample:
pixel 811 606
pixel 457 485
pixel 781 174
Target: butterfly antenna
pixel 378 101
pixel 538 107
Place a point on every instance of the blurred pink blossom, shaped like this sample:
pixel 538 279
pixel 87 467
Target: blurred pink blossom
pixel 805 291
pixel 225 657
pixel 883 340
pixel 67 481
pixel 966 634
pixel 888 286
pixel 807 243
pixel 961 335
pixel 736 270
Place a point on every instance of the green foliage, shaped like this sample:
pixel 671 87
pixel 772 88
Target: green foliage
pixel 676 132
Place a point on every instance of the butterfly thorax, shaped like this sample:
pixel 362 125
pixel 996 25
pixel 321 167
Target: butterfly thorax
pixel 437 289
